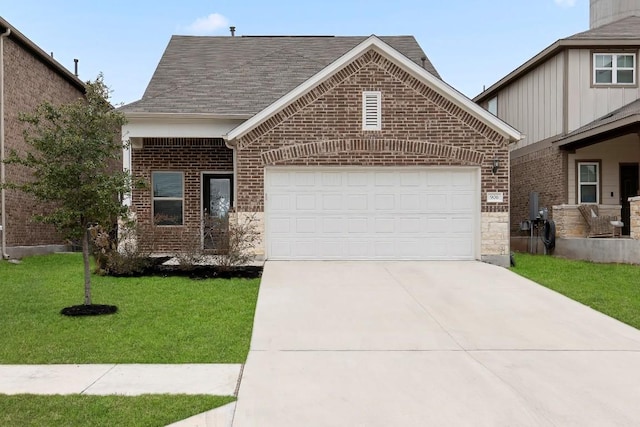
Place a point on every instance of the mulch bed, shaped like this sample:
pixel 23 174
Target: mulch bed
pixel 89 310
pixel 157 267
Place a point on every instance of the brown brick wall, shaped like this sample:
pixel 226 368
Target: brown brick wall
pixel 28 82
pixel 543 171
pixel 324 127
pixel 190 156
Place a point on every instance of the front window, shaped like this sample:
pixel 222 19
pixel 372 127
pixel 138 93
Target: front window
pixel 167 198
pixel 614 68
pixel 588 182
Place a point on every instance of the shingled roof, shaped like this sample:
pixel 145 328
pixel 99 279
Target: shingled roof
pixel 240 76
pixel 623 29
pixel 627 115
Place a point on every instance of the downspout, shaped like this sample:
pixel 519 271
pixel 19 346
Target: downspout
pixel 3 213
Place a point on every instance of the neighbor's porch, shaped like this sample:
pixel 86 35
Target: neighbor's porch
pixel 572 229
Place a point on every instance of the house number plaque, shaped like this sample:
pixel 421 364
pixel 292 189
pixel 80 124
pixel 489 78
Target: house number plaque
pixel 495 197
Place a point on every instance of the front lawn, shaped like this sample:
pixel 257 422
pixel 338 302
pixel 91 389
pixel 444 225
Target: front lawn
pixel 613 289
pixel 82 410
pixel 159 319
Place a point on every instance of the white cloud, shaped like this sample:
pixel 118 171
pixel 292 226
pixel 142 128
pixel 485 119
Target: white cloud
pixel 565 3
pixel 208 25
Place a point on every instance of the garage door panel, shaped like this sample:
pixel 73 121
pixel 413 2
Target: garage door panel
pixel 385 202
pixel 384 179
pixel 357 202
pixel 461 225
pixel 411 179
pixel 358 225
pixel 437 225
pixel 462 202
pixel 384 225
pixel 331 225
pixel 384 249
pixel 371 213
pixel 357 179
pixel 437 178
pixel 411 202
pixel 280 202
pixel 332 179
pixel 461 179
pixel 305 225
pixel 437 202
pixel 410 225
pixel 332 202
pixel 357 249
pixel 305 202
pixel 280 225
pixel 304 179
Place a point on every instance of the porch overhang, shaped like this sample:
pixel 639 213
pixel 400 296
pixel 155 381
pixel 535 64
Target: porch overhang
pixel 595 135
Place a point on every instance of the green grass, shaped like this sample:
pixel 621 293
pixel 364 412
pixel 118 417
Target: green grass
pixel 24 410
pixel 613 289
pixel 159 320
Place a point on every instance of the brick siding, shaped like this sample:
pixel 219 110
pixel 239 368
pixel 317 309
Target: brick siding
pixel 324 127
pixel 27 83
pixel 192 156
pixel 543 171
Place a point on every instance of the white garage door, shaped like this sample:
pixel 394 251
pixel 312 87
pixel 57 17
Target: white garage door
pixel 371 213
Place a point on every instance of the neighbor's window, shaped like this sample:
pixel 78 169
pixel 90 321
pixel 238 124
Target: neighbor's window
pixel 492 106
pixel 614 68
pixel 588 182
pixel 371 110
pixel 167 198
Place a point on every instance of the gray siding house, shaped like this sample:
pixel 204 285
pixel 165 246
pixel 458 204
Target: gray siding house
pixel 577 104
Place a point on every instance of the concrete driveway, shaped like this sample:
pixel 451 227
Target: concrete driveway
pixel 431 344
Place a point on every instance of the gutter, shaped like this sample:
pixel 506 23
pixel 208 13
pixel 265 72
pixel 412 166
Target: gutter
pixel 3 213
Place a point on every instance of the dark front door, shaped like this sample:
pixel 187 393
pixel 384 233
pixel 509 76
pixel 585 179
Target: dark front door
pixel 217 200
pixel 628 188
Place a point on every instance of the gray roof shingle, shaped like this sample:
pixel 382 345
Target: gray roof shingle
pixel 628 110
pixel 243 75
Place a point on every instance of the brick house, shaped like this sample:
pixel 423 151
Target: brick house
pixel 28 76
pixel 346 147
pixel 578 104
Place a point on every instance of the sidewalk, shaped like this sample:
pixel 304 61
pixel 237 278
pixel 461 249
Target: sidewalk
pixel 130 380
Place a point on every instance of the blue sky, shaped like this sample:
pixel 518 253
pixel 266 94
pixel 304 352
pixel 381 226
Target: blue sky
pixel 471 42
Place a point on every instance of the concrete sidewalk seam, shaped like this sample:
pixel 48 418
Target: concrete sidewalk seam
pixel 99 378
pixel 235 392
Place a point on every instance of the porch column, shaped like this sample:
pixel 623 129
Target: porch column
pixel 635 217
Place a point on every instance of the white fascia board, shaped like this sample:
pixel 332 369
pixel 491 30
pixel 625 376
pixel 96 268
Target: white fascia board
pixel 178 116
pixel 172 127
pixel 390 53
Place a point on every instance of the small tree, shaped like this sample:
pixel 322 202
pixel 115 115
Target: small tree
pixel 73 150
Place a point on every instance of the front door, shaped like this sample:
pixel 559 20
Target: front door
pixel 628 188
pixel 217 200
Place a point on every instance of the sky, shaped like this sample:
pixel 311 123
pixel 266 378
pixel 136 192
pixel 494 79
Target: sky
pixel 472 43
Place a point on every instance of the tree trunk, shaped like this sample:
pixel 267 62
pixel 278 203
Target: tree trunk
pixel 87 272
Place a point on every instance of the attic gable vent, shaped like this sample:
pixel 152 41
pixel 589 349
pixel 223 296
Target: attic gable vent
pixel 372 110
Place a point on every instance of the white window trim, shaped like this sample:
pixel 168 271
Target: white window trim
pixel 372 105
pixel 597 183
pixel 614 68
pixel 154 198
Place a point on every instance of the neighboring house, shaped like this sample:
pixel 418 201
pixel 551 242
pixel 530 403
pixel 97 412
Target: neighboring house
pixel 28 77
pixel 577 105
pixel 346 147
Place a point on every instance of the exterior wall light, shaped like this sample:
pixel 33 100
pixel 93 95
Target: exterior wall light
pixel 496 164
